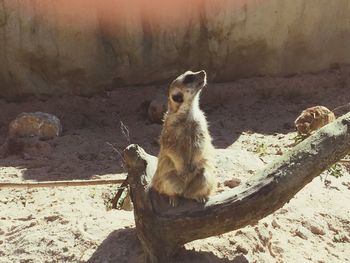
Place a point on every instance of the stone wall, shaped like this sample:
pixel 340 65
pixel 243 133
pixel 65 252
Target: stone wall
pixel 84 46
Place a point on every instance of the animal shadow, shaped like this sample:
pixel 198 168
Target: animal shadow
pixel 123 246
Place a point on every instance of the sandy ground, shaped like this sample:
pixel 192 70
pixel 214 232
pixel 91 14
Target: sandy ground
pixel 72 224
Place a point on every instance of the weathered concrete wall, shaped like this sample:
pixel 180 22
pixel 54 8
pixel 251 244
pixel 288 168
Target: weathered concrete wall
pixel 80 47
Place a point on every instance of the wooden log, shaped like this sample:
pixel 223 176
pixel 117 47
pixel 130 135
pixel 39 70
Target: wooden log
pixel 162 230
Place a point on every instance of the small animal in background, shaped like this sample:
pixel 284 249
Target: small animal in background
pixel 185 166
pixel 312 119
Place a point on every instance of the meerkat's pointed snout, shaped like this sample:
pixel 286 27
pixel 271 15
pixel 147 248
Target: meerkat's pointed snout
pixel 202 78
pixel 202 74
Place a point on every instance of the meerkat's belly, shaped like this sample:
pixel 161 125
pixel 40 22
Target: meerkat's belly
pixel 191 143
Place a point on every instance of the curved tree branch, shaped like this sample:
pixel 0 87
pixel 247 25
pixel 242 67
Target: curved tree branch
pixel 162 230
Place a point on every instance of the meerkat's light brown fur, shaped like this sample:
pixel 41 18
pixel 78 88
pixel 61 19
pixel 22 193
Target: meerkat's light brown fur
pixel 185 160
pixel 312 119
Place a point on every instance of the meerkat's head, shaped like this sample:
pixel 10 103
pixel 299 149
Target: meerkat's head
pixel 185 90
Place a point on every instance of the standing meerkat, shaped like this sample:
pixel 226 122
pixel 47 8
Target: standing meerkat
pixel 185 159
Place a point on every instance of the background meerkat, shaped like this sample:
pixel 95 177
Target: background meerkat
pixel 185 157
pixel 312 119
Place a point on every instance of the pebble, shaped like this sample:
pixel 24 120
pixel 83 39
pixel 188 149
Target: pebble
pixel 232 183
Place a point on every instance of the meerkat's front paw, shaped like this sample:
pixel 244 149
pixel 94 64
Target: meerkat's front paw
pixel 173 201
pixel 198 197
pixel 202 199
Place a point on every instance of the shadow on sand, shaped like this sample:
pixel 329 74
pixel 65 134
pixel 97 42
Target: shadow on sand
pixel 123 246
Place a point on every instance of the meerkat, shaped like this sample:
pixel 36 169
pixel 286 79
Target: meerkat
pixel 312 119
pixel 185 166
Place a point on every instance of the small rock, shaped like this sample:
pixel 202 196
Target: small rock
pixel 275 224
pixel 43 125
pixel 232 183
pixel 279 151
pixel 301 232
pixel 157 109
pixel 314 229
pixel 242 249
pixel 317 230
pixel 282 211
pixel 232 241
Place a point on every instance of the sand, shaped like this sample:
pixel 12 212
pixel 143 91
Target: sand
pixel 72 224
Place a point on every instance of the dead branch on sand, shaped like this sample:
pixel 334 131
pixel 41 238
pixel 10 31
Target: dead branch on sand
pixel 61 183
pixel 125 132
pixel 162 230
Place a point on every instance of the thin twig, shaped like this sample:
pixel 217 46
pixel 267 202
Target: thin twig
pixel 125 131
pixel 119 194
pixel 117 151
pixel 126 134
pixel 61 183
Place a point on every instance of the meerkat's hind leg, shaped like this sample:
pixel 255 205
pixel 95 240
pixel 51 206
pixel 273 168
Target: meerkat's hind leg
pixel 172 186
pixel 201 186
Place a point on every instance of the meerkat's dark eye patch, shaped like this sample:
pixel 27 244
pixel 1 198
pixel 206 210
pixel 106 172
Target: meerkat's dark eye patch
pixel 189 79
pixel 178 97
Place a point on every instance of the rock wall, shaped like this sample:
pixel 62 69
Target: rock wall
pixel 84 46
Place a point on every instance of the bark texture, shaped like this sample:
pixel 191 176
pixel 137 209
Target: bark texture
pixel 162 230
